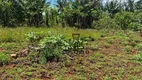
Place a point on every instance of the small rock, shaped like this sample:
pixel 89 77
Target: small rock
pixel 13 55
pixel 24 52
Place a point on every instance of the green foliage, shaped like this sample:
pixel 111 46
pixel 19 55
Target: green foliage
pixel 95 56
pixel 123 19
pixel 107 77
pixel 53 46
pixel 35 37
pixel 139 5
pixel 139 18
pixel 52 17
pixel 6 16
pixel 62 42
pixel 138 57
pixel 136 25
pixel 31 37
pixel 76 64
pixel 73 13
pixel 4 58
pixel 112 7
pixel 58 40
pixel 107 23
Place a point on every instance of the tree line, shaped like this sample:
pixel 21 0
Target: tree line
pixel 74 13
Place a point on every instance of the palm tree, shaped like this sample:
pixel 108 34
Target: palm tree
pixel 83 12
pixel 33 10
pixel 130 6
pixel 139 5
pixel 112 7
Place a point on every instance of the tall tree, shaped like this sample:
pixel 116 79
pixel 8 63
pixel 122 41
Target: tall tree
pixel 6 13
pixel 130 5
pixel 112 7
pixel 139 5
pixel 33 10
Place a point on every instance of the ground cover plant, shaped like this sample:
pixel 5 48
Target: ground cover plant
pixel 115 55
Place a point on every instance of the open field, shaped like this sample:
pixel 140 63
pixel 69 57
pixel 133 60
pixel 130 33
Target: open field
pixel 111 55
pixel 70 39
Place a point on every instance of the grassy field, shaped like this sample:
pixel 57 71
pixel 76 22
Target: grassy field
pixel 112 55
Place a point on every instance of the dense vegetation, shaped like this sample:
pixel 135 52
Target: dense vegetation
pixel 74 13
pixel 71 40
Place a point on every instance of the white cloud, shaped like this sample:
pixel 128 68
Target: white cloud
pixel 119 0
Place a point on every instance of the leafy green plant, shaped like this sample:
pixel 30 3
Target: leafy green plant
pixel 62 42
pixel 107 77
pixel 53 46
pixel 31 36
pixel 138 57
pixel 58 40
pixel 4 59
pixel 89 38
pixel 34 36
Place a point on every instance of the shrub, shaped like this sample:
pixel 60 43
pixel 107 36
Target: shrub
pixel 4 59
pixel 123 19
pixel 139 18
pixel 136 25
pixel 107 22
pixel 53 46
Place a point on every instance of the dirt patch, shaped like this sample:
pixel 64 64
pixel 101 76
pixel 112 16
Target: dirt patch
pixel 115 48
pixel 1 49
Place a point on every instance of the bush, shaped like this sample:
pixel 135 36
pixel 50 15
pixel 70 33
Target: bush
pixel 53 46
pixel 123 19
pixel 139 18
pixel 107 22
pixel 4 59
pixel 135 26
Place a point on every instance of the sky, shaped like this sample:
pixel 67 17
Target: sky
pixel 54 1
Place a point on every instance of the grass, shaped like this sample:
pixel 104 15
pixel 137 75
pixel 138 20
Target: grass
pixel 113 55
pixel 19 34
pixel 4 59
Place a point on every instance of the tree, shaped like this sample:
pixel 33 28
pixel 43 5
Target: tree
pixel 33 10
pixel 78 13
pixel 6 16
pixel 130 6
pixel 123 19
pixel 112 7
pixel 139 5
